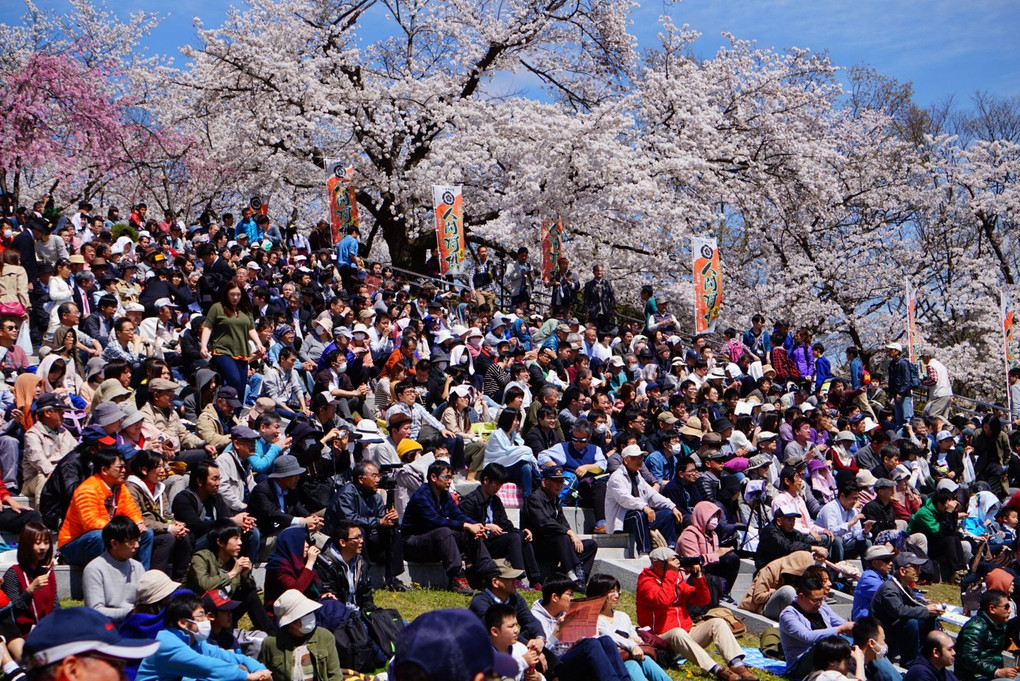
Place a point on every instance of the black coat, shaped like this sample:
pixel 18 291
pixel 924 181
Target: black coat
pixel 262 503
pixel 543 516
pixel 60 486
pixel 774 543
pixel 333 575
pixel 189 510
pixel 474 505
pixel 355 505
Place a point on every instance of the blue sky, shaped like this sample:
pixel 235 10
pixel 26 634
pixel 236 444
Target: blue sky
pixel 945 47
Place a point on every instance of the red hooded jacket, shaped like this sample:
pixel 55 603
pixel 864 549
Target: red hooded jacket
pixel 662 601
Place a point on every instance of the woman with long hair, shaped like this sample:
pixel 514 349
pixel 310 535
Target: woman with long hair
pixel 30 584
pixel 14 289
pixel 507 448
pixel 230 326
pixel 290 566
pixel 457 419
pixel 388 380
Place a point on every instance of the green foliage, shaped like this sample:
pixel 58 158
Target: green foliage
pixel 123 229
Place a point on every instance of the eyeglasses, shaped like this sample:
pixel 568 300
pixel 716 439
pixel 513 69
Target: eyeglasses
pixel 445 477
pixel 356 537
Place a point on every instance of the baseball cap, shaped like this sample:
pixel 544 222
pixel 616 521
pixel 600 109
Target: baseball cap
pixel 230 395
pixel 786 512
pixel 901 472
pixel 631 451
pixel 906 558
pixel 661 554
pixel 943 435
pixel 243 433
pixel 164 302
pixel 505 570
pixel 552 473
pixel 95 435
pixel 946 483
pixel 451 645
pixel 894 346
pixel 217 600
pixel 883 483
pixel 51 401
pixel 75 631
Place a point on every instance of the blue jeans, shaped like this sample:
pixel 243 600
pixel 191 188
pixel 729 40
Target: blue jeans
pixel 645 670
pixel 904 637
pixel 524 474
pixel 250 540
pixel 903 410
pixel 82 550
pixel 636 523
pixel 233 371
pixel 593 658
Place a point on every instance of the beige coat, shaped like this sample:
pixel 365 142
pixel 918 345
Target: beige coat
pixel 769 579
pixel 14 286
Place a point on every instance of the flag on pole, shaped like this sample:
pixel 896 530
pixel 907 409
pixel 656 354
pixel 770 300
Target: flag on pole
pixel 1009 340
pixel 911 321
pixel 449 207
pixel 707 283
pixel 343 211
pixel 552 245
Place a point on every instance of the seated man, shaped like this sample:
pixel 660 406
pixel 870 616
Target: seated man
pixel 982 640
pixel 806 621
pixel 501 621
pixel 937 520
pixel 662 600
pixel 218 418
pixel 284 386
pixel 275 504
pixel 581 461
pixel 359 502
pixel 435 528
pixel 779 538
pixel 904 614
pixel 110 581
pixel 200 505
pixel 879 561
pixel 94 503
pixel 791 482
pixel 554 539
pixel 633 506
pixel 681 489
pixel 501 589
pixel 236 478
pixel 503 540
pixel 589 658
pixel 938 652
pixel 160 413
pixel 271 443
pixel 869 637
pixel 46 443
pixel 843 517
pixel 342 568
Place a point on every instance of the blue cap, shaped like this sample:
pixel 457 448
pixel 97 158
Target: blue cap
pixel 451 645
pixel 552 473
pixel 75 631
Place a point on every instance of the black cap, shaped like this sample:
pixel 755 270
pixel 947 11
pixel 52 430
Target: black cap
pixel 230 395
pixel 51 401
pixel 552 473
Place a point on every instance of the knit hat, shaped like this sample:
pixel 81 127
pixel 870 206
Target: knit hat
pixel 406 446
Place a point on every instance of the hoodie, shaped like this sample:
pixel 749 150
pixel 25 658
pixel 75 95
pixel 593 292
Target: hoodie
pixel 696 540
pixel 662 601
pixel 193 404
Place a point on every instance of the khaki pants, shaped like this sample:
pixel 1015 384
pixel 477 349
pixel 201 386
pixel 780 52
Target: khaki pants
pixel 486 298
pixel 692 644
pixel 33 488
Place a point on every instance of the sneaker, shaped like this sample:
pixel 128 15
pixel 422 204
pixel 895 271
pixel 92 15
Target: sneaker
pixel 580 587
pixel 600 527
pixel 396 586
pixel 459 585
pixel 727 598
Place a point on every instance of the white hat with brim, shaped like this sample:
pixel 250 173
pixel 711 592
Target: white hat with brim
pixel 291 606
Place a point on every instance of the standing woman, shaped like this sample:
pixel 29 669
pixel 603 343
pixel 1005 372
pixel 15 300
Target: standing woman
pixel 802 356
pixel 14 289
pixel 30 585
pixel 230 325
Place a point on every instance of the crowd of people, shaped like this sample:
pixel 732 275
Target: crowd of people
pixel 186 402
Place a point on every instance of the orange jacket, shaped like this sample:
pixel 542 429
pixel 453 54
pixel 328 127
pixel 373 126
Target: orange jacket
pixel 662 601
pixel 88 509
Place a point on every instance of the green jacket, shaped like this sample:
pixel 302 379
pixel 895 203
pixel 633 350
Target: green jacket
pixel 207 573
pixel 277 654
pixel 930 522
pixel 979 648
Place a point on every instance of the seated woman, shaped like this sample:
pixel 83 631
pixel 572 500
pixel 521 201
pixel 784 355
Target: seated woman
pixel 221 566
pixel 30 584
pixel 184 651
pixel 457 419
pixel 171 545
pixel 617 625
pixel 299 641
pixel 700 539
pixel 506 448
pixel 290 564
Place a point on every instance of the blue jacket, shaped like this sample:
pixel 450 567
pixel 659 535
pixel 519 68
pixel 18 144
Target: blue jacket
pixel 661 466
pixel 425 513
pixel 346 251
pixel 178 659
pixel 764 352
pixel 856 373
pixel 867 585
pixel 899 377
pixel 823 372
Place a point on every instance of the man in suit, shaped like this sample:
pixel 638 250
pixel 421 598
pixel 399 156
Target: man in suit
pixel 215 273
pixel 503 540
pixel 274 502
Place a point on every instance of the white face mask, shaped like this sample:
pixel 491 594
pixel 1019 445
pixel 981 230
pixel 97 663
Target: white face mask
pixel 677 449
pixel 307 623
pixel 204 629
pixel 712 524
pixel 342 368
pixel 881 650
pixel 601 429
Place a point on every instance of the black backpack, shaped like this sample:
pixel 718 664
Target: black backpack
pixel 384 626
pixel 355 648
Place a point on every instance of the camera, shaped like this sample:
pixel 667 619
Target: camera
pixel 691 561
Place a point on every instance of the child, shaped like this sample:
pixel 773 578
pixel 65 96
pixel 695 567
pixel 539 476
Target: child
pixel 833 660
pixel 1002 532
pixel 501 622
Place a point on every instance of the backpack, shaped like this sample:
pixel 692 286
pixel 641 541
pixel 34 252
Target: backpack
pixel 770 644
pixel 915 376
pixel 384 626
pixel 354 646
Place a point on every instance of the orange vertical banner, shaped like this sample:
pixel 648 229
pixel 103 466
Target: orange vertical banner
pixel 343 210
pixel 552 246
pixel 448 204
pixel 707 283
